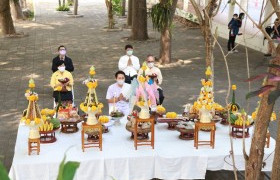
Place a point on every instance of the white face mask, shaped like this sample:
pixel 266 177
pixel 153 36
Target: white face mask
pixel 151 64
pixel 129 53
pixel 61 68
pixel 120 81
pixel 62 52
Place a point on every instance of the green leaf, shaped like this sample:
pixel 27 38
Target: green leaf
pixel 70 169
pixel 3 172
pixel 272 97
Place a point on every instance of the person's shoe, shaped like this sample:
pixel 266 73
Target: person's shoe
pixel 267 55
pixel 235 51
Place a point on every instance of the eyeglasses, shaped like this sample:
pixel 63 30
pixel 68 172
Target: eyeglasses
pixel 150 61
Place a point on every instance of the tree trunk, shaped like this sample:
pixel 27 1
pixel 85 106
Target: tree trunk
pixel 129 13
pixel 63 2
pixel 165 39
pixel 16 9
pixel 255 162
pixel 23 4
pixel 110 14
pixel 123 7
pixel 6 20
pixel 139 20
pixel 208 45
pixel 276 162
pixel 76 7
pixel 165 47
pixel 59 3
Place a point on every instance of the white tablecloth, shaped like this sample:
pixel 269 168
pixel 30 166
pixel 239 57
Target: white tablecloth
pixel 171 159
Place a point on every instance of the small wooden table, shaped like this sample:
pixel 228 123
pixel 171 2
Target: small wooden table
pixel 33 145
pixel 139 142
pixel 172 122
pixel 198 127
pixel 69 127
pixel 89 144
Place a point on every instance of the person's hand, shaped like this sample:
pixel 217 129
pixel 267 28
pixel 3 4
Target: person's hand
pixel 129 63
pixel 121 97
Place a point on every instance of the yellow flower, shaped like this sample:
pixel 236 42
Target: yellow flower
pixel 92 85
pixel 37 120
pixel 142 79
pixel 208 71
pixel 43 111
pixel 171 115
pixel 208 107
pixel 59 88
pixel 233 87
pixel 31 85
pixel 100 106
pixel 203 82
pixel 32 98
pixel 44 117
pixel 144 66
pixel 92 72
pixel 273 116
pixel 103 119
pixel 208 83
pixel 254 115
pixel 23 119
pixel 160 109
pixel 93 108
pixel 28 121
pixel 141 103
pixel 27 91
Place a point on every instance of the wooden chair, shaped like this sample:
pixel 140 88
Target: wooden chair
pixel 198 127
pixel 33 145
pixel 89 144
pixel 151 141
pixel 267 140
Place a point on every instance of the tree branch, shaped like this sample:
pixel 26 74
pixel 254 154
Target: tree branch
pixel 197 11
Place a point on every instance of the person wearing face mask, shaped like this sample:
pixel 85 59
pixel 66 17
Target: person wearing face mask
pixel 233 26
pixel 129 64
pixel 62 78
pixel 62 57
pixel 115 94
pixel 155 76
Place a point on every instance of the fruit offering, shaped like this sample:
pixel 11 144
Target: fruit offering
pixel 55 122
pixel 171 115
pixel 48 112
pixel 161 109
pixel 116 114
pixel 103 119
pixel 46 127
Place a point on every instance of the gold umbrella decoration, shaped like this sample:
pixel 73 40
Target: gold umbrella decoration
pixel 32 115
pixel 91 106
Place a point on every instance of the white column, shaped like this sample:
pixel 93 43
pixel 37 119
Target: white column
pixel 268 9
pixel 186 5
pixel 231 7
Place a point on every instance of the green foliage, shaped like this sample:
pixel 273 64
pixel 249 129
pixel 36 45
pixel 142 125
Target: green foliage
pixel 31 15
pixel 161 16
pixel 117 7
pixel 3 172
pixel 63 8
pixel 67 170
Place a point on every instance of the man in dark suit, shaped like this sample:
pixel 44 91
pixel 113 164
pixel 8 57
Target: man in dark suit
pixel 62 57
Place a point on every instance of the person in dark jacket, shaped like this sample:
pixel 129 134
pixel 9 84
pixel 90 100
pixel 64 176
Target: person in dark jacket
pixel 233 26
pixel 274 35
pixel 62 57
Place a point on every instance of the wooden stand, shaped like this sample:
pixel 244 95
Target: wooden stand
pixel 138 142
pixel 47 136
pixel 33 145
pixel 69 127
pixel 267 140
pixel 89 144
pixel 198 127
pixel 237 131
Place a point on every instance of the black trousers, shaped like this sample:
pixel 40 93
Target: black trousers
pixel 161 96
pixel 128 79
pixel 231 42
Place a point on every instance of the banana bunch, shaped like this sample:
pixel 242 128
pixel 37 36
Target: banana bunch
pixel 240 120
pixel 160 109
pixel 171 115
pixel 46 127
pixel 103 119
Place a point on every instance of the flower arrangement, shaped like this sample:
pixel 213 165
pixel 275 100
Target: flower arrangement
pixel 171 115
pixel 145 96
pixel 91 106
pixel 32 115
pixel 206 96
pixel 254 114
pixel 103 119
pixel 160 109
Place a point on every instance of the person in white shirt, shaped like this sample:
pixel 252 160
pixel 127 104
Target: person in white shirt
pixel 129 64
pixel 116 94
pixel 155 75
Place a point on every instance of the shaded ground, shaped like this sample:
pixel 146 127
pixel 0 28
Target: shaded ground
pixel 87 44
